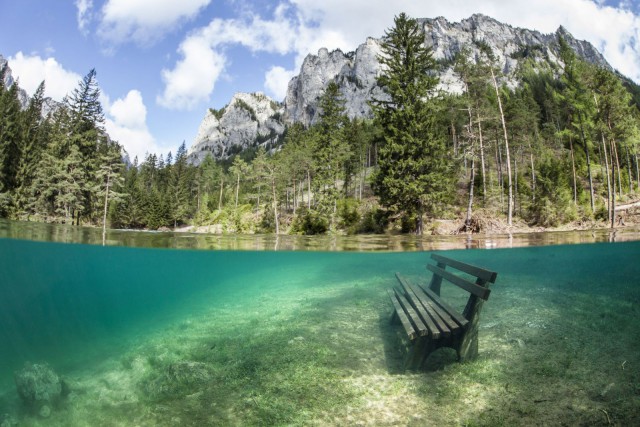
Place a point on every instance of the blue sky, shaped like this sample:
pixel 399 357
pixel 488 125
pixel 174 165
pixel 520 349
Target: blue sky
pixel 162 63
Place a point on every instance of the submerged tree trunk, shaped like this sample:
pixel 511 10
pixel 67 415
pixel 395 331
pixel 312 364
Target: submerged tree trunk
pixel 104 217
pixel 613 192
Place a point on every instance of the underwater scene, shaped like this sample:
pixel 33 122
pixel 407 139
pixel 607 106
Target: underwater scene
pixel 125 336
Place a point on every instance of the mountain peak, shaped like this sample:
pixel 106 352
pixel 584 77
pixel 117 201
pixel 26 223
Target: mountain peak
pixel 356 74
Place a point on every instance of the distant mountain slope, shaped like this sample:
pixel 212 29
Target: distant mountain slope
pixel 356 72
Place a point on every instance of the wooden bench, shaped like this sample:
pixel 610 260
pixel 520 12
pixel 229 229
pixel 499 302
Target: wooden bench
pixel 429 322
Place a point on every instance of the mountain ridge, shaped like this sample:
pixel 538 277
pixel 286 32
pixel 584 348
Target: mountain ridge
pixel 356 74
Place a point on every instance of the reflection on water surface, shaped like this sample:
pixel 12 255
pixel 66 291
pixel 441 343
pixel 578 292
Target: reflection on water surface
pixel 369 242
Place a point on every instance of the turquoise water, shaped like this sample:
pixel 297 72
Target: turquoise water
pixel 77 307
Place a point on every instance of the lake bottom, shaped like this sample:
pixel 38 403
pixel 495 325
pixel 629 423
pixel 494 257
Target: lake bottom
pixel 174 337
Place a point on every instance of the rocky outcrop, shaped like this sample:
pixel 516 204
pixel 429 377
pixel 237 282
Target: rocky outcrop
pixel 49 106
pixel 233 129
pixel 355 72
pixel 5 69
pixel 249 120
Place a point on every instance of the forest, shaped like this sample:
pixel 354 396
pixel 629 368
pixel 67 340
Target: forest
pixel 562 147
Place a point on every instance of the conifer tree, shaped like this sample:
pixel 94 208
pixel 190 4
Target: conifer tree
pixel 33 141
pixel 578 103
pixel 413 169
pixel 87 133
pixel 332 149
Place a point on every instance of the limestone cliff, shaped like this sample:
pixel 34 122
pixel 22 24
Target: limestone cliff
pixel 226 132
pixel 249 120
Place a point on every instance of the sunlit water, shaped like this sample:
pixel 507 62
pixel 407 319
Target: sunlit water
pixel 75 305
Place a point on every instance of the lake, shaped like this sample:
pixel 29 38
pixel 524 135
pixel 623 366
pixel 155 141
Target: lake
pixel 186 329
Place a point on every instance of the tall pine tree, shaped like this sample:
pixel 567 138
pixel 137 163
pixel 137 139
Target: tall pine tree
pixel 413 174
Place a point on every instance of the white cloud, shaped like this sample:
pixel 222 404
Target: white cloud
pixel 277 80
pixel 126 122
pixel 32 70
pixel 145 21
pixel 193 78
pixel 84 14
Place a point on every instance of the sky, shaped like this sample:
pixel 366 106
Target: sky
pixel 162 63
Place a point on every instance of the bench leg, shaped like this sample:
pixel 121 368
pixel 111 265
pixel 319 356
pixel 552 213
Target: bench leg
pixel 415 354
pixel 394 318
pixel 468 347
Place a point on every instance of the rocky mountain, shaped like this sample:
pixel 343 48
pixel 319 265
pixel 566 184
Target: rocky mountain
pixel 49 106
pixel 232 129
pixel 250 119
pixel 9 81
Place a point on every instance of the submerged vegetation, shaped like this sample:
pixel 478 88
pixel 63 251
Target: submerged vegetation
pixel 305 339
pixel 561 147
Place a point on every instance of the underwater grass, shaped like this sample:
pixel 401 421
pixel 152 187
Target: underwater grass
pixel 305 351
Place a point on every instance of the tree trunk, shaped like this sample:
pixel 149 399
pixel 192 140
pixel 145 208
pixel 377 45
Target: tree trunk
pixel 275 205
pixel 617 165
pixel 533 177
pixel 586 152
pixel 237 190
pixel 573 169
pixel 454 138
pixel 613 182
pixel 515 183
pixel 467 222
pixel 484 184
pixel 104 217
pixel 295 196
pixel 635 148
pixel 500 177
pixel 309 189
pixel 629 169
pixel 606 164
pixel 220 199
pixel 506 146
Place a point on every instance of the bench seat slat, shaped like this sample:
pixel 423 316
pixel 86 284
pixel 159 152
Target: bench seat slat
pixel 433 324
pixel 481 273
pixel 432 320
pixel 434 302
pixel 408 327
pixel 468 286
pixel 417 322
pixel 459 318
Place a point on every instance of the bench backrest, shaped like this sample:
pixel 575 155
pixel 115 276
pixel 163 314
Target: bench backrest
pixel 479 288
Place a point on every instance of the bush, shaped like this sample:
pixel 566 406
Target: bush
pixel 554 201
pixel 374 220
pixel 309 222
pixel 348 214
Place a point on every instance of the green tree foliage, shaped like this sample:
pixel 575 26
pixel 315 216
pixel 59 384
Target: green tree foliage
pixel 413 170
pixel 332 149
pixel 573 135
